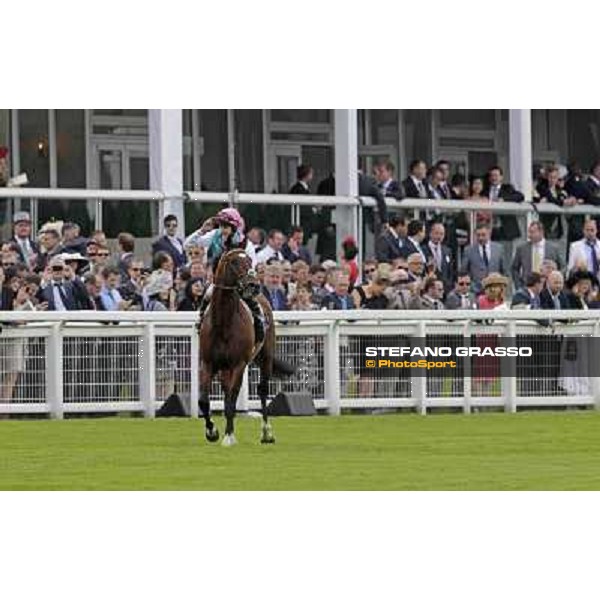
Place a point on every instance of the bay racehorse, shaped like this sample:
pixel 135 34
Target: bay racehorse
pixel 228 346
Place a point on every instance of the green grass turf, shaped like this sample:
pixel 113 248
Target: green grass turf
pixel 536 451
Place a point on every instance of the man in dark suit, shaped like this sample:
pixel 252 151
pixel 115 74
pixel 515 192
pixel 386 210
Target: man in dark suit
pixel 415 185
pixel 553 297
pixel 443 167
pixel 126 247
pixel 389 244
pixel 384 175
pixel 530 255
pixel 170 243
pixel 293 249
pixel 438 253
pixel 272 289
pixel 304 175
pixel 27 248
pixel 339 299
pixel 367 186
pixel 415 236
pixel 482 258
pixel 461 296
pixel 59 292
pixel 529 296
pixel 50 241
pixel 505 228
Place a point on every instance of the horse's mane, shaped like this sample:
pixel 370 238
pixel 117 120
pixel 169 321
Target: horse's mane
pixel 225 300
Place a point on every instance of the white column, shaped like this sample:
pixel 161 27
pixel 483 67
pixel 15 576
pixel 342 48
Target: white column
pixel 519 149
pixel 165 128
pixel 346 170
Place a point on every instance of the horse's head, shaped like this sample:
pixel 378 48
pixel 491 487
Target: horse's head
pixel 233 268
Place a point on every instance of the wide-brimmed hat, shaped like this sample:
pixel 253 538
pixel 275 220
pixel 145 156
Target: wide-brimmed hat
pixel 57 261
pixel 495 279
pixel 383 274
pixel 74 257
pixel 21 217
pixel 159 281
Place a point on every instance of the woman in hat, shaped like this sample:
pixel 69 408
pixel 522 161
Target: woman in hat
pixel 494 293
pixel 486 369
pixel 158 292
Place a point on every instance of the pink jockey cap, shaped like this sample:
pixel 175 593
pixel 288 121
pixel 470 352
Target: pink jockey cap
pixel 233 217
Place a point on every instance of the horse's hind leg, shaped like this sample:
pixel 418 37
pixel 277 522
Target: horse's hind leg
pixel 267 436
pixel 210 430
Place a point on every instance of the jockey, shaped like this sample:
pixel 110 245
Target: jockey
pixel 218 235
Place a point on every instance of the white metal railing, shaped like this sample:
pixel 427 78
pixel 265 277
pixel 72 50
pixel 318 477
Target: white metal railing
pixel 524 210
pixel 86 362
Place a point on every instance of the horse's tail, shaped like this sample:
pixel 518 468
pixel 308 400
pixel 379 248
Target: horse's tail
pixel 281 368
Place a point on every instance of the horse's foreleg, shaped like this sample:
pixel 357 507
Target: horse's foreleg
pixel 210 431
pixel 232 383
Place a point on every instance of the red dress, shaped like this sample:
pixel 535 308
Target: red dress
pixel 353 268
pixel 486 368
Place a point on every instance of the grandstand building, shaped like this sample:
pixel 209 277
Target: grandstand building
pixel 257 151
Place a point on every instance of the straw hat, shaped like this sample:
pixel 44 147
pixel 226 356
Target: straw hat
pixel 495 279
pixel 383 274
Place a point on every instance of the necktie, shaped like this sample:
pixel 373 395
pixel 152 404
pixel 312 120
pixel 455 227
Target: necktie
pixel 486 260
pixel 556 302
pixel 535 302
pixel 437 256
pixel 592 246
pixel 494 193
pixel 465 301
pixel 537 259
pixel 421 189
pixel 61 293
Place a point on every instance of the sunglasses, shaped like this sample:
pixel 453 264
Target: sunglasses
pixel 370 271
pixel 57 268
pixel 464 283
pixel 135 269
pixel 103 254
pixel 9 264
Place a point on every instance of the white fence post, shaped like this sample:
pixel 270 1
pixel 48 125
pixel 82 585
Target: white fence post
pixel 147 371
pixel 332 369
pixel 467 373
pixel 509 384
pixel 596 379
pixel 54 372
pixel 419 384
pixel 194 373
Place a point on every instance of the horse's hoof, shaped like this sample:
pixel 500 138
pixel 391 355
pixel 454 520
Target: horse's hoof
pixel 267 440
pixel 229 440
pixel 212 435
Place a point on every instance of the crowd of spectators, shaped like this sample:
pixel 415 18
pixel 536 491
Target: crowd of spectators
pixel 426 263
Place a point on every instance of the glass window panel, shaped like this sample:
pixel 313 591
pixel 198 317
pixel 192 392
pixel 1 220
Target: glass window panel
pixel 214 162
pixel 33 142
pixel 301 115
pixel 70 148
pixel 473 119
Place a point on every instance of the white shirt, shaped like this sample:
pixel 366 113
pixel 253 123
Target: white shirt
pixel 436 250
pixel 488 250
pixel 195 239
pixel 420 186
pixel 538 249
pixel 303 184
pixel 268 252
pixel 418 247
pixel 176 243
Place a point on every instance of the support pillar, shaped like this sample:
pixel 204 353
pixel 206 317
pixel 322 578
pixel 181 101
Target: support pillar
pixel 519 148
pixel 165 129
pixel 346 172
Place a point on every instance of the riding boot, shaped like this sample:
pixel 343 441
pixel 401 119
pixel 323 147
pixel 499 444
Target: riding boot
pixel 259 327
pixel 205 302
